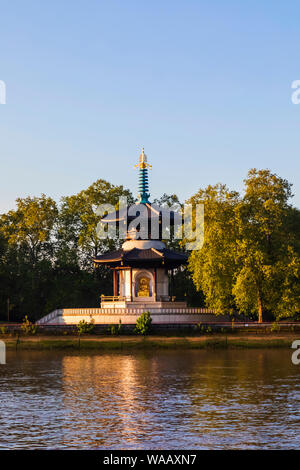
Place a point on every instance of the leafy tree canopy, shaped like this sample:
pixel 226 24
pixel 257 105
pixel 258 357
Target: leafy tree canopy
pixel 250 258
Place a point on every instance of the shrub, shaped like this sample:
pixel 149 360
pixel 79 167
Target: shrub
pixel 112 330
pixel 143 324
pixel 27 327
pixel 115 330
pixel 85 327
pixel 199 327
pixel 275 327
pixel 3 330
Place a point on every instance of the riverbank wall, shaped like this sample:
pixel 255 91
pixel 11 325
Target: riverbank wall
pixel 123 343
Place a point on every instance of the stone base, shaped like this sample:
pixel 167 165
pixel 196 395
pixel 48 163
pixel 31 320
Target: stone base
pixel 129 316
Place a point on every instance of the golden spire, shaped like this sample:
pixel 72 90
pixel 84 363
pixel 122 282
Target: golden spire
pixel 143 161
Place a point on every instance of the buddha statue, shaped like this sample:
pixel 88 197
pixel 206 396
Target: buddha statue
pixel 144 287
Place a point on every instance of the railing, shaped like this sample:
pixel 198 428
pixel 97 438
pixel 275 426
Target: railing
pixel 135 310
pixel 50 316
pixel 112 298
pixel 118 298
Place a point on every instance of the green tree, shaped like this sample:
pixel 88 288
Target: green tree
pixel 213 267
pixel 28 244
pixel 75 281
pixel 250 258
pixel 267 278
pixel 78 220
pixel 30 227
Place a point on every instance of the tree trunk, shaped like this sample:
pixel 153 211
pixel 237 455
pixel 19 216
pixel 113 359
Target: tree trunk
pixel 260 309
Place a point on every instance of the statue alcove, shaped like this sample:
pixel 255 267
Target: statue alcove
pixel 143 285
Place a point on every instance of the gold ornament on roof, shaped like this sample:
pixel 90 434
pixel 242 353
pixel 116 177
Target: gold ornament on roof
pixel 143 161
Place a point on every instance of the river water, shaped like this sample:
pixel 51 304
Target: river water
pixel 212 399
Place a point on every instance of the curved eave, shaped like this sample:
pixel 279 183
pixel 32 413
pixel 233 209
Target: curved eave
pixel 138 264
pixel 142 258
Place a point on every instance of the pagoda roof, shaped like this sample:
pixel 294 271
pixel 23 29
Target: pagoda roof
pixel 150 257
pixel 143 210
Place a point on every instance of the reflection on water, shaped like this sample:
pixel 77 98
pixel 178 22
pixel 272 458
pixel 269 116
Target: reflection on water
pixel 153 400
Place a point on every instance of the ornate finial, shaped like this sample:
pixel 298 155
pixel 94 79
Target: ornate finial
pixel 143 179
pixel 143 161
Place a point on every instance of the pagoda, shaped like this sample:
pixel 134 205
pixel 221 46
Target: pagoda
pixel 142 268
pixel 143 265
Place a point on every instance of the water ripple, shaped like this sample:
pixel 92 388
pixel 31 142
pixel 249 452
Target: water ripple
pixel 154 400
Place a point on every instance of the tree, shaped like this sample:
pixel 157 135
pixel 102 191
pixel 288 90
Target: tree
pixel 28 246
pixel 30 227
pixel 213 267
pixel 78 220
pixel 268 265
pixel 171 201
pixel 250 260
pixel 182 288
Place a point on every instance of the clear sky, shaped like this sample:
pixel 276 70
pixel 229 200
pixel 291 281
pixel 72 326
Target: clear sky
pixel 204 86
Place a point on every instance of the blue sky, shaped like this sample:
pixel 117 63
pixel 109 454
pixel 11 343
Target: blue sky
pixel 204 86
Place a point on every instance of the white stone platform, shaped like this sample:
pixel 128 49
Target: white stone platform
pixel 128 316
pixel 142 303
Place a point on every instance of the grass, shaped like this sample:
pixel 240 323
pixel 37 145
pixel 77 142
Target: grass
pixel 149 342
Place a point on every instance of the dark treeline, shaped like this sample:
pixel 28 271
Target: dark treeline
pixel 46 253
pixel 250 260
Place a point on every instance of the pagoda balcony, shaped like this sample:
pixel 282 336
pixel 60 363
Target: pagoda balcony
pixel 113 298
pixel 113 301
